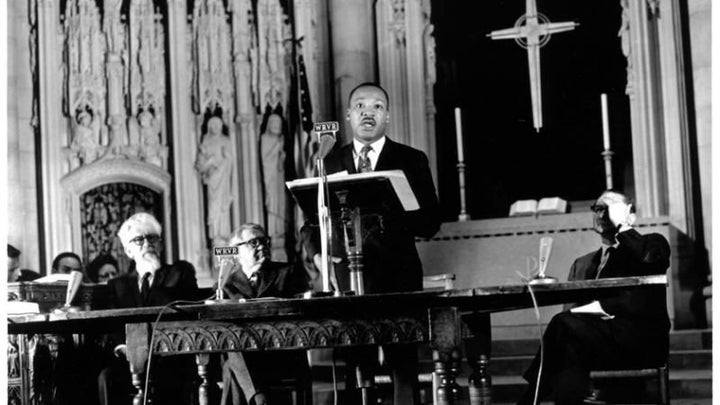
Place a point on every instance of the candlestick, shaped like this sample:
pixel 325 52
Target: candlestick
pixel 460 165
pixel 607 157
pixel 458 133
pixel 605 124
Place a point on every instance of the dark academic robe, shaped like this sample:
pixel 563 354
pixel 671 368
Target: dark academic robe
pixel 175 377
pixel 246 373
pixel 637 336
pixel 390 258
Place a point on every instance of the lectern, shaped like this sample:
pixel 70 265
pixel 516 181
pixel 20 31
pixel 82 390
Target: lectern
pixel 352 198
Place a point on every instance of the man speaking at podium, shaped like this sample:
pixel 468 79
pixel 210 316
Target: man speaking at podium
pixel 390 258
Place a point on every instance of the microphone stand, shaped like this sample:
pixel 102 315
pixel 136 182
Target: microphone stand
pixel 323 201
pixel 545 250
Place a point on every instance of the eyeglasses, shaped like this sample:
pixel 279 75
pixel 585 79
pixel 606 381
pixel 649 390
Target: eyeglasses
pixel 598 208
pixel 140 240
pixel 255 242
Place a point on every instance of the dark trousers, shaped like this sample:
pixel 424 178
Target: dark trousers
pixel 575 344
pixel 244 374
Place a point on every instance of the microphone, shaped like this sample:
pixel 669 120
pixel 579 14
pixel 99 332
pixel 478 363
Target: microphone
pixel 224 255
pixel 545 250
pixel 327 136
pixel 74 280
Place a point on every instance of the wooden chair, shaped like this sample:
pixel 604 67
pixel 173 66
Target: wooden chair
pixel 660 373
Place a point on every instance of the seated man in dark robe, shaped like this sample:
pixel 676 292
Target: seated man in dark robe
pixel 628 330
pixel 149 282
pixel 247 375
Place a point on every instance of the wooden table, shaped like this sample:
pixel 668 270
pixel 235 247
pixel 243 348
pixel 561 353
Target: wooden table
pixel 441 319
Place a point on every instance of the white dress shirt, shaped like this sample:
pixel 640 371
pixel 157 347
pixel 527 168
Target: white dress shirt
pixel 376 146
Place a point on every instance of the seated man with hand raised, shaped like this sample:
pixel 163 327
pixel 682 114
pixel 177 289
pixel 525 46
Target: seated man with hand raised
pixel 629 330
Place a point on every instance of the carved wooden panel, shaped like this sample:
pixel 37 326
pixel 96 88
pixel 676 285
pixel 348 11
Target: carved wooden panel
pixel 173 337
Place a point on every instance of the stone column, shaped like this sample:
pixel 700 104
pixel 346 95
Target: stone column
pixel 353 47
pixel 22 209
pixel 250 207
pixel 56 218
pixel 645 106
pixel 188 191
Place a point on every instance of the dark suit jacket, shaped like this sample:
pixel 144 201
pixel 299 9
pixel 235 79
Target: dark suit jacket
pixel 170 283
pixel 275 279
pixel 635 255
pixel 390 259
pixel 174 376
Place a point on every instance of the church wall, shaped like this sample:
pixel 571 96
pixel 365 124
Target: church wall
pixel 700 42
pixel 22 210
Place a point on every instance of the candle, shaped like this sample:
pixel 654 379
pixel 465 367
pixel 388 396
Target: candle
pixel 458 133
pixel 605 125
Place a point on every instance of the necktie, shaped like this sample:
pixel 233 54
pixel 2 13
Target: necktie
pixel 603 260
pixel 145 286
pixel 364 164
pixel 253 280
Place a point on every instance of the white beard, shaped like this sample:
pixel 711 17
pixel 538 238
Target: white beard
pixel 148 262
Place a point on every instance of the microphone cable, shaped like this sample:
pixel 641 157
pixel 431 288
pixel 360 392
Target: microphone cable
pixel 536 307
pixel 169 305
pixel 334 375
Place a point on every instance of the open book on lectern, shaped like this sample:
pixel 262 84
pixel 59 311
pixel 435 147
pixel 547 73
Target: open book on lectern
pixel 379 192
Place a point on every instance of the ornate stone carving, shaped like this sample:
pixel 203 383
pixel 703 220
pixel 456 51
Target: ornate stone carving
pixel 212 52
pixel 653 7
pixel 273 30
pixel 219 336
pixel 397 24
pixel 85 80
pixel 86 146
pixel 624 34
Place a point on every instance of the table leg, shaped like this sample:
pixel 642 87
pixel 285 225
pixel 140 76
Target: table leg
pixel 202 361
pixel 137 339
pixel 445 333
pixel 477 350
pixel 446 369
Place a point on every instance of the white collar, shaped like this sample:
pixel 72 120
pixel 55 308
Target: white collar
pixel 376 146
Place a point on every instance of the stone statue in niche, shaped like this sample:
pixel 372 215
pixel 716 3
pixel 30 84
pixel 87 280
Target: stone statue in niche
pixel 272 152
pixel 150 145
pixel 85 145
pixel 214 163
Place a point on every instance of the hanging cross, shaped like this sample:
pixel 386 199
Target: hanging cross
pixel 532 31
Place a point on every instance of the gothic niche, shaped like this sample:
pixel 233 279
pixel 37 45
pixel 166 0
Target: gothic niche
pixel 102 211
